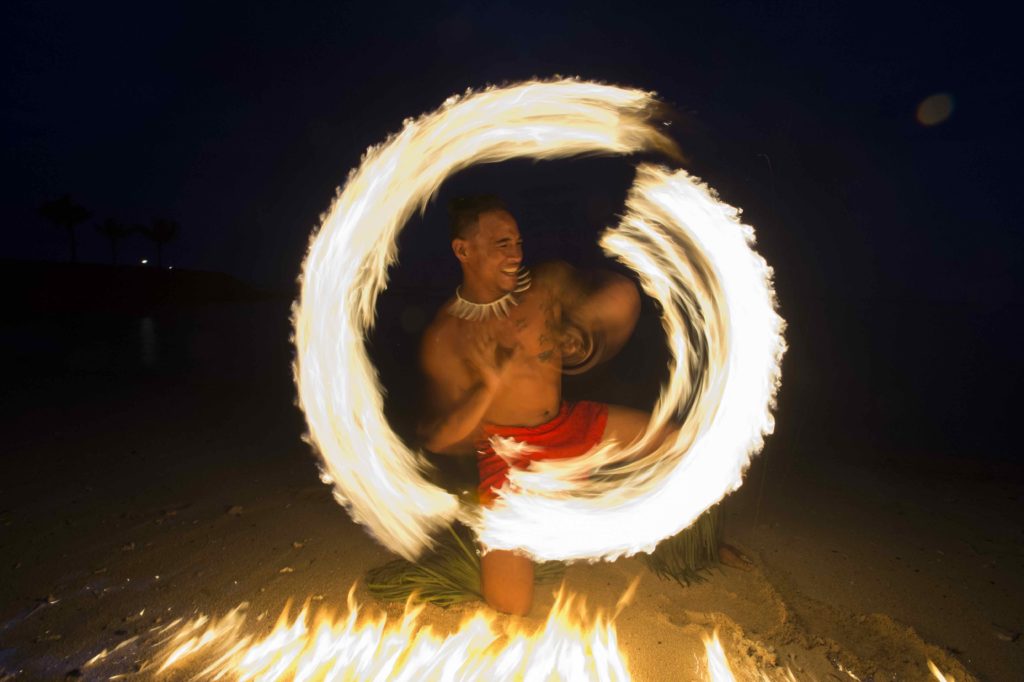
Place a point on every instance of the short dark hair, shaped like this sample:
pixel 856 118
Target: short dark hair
pixel 464 212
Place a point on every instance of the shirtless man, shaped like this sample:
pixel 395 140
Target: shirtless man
pixel 493 360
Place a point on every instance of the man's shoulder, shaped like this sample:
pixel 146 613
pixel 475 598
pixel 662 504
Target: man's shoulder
pixel 550 269
pixel 440 329
pixel 551 274
pixel 439 344
pixel 558 279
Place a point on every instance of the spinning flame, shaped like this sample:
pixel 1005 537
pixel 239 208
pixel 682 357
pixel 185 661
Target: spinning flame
pixel 692 255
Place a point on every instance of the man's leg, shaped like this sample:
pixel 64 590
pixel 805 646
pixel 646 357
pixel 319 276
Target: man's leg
pixel 625 424
pixel 506 579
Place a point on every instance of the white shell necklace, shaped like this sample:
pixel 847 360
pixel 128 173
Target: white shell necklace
pixel 477 312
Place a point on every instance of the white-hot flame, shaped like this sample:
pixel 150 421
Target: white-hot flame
pixel 937 674
pixel 316 644
pixel 718 664
pixel 569 645
pixel 692 255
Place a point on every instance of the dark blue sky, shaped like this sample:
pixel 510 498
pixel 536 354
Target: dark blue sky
pixel 239 121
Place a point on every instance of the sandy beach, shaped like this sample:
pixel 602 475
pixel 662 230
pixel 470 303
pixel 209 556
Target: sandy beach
pixel 151 475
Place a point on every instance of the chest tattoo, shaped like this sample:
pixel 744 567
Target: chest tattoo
pixel 550 334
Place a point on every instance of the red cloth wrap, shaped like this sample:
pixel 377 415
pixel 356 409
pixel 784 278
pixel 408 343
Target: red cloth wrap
pixel 574 430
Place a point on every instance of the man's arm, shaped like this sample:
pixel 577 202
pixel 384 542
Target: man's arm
pixel 604 304
pixel 454 413
pixel 450 431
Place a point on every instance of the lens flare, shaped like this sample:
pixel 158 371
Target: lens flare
pixel 692 255
pixel 935 109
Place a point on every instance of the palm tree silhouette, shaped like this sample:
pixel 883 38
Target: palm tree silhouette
pixel 67 215
pixel 114 231
pixel 160 233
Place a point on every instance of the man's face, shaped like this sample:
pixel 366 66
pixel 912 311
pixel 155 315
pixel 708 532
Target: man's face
pixel 492 255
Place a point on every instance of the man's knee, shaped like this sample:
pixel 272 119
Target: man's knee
pixel 506 580
pixel 625 424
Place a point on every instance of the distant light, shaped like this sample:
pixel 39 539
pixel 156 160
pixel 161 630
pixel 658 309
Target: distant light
pixel 935 109
pixel 170 267
pixel 145 261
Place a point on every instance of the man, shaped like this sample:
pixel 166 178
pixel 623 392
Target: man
pixel 493 360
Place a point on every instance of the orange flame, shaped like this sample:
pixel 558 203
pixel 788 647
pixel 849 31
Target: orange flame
pixel 718 665
pixel 321 646
pixel 569 645
pixel 938 673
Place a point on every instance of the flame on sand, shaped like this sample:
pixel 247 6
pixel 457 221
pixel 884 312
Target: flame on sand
pixel 569 645
pixel 317 644
pixel 692 254
pixel 937 674
pixel 718 665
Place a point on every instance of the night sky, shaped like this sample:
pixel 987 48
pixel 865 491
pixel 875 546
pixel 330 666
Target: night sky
pixel 240 120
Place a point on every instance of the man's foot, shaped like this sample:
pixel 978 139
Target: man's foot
pixel 732 557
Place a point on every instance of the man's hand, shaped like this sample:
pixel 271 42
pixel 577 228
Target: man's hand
pixel 580 347
pixel 456 413
pixel 602 306
pixel 490 360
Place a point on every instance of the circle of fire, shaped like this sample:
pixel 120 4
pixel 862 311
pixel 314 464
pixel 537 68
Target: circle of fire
pixel 691 253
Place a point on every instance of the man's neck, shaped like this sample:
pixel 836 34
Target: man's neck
pixel 478 294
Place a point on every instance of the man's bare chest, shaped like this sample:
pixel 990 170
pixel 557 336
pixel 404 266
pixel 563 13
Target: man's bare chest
pixel 531 328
